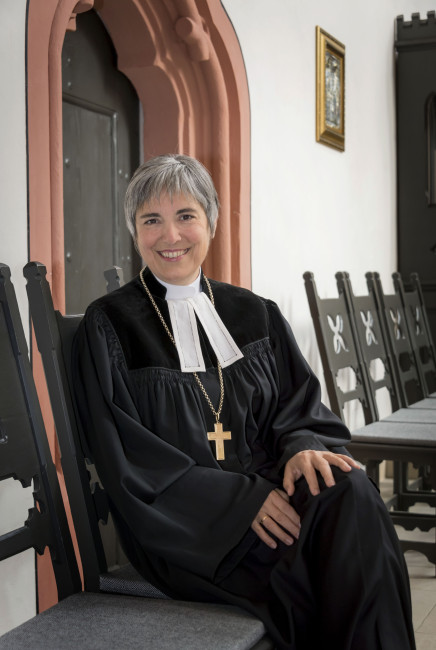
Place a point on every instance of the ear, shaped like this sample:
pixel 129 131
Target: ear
pixel 135 242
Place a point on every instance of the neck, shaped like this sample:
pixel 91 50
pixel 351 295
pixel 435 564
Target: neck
pixel 180 291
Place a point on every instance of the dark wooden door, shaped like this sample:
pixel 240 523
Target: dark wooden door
pixel 415 50
pixel 101 151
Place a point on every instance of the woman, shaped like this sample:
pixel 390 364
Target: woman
pixel 228 478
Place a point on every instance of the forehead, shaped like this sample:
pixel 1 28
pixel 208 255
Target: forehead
pixel 170 203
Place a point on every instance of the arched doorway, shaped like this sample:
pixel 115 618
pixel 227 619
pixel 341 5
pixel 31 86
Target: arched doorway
pixel 188 53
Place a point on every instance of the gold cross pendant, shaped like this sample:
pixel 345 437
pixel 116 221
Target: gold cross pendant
pixel 218 436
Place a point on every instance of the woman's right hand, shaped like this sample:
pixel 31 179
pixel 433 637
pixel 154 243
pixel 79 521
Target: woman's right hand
pixel 277 517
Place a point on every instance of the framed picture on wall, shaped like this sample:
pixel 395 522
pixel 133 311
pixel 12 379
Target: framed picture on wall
pixel 330 90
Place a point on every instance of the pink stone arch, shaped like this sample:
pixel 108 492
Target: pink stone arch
pixel 184 61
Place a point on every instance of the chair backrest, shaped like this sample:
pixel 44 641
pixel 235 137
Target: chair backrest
pixel 114 278
pixel 419 330
pixel 337 346
pixel 372 342
pixel 96 536
pixel 54 335
pixel 25 453
pixel 393 316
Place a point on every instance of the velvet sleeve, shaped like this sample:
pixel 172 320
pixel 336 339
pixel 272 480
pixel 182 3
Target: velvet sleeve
pixel 186 514
pixel 302 421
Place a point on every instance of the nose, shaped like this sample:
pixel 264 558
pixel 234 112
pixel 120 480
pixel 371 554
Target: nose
pixel 171 233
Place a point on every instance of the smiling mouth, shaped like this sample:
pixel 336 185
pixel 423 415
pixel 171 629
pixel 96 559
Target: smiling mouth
pixel 171 255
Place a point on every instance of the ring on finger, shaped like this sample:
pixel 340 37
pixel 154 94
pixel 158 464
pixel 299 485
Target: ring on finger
pixel 263 519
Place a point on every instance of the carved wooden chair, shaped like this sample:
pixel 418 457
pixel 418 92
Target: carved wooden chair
pixel 376 358
pixel 54 336
pixel 337 346
pixel 394 321
pixel 411 355
pixel 341 358
pixel 376 441
pixel 25 453
pixel 150 620
pixel 373 342
pixel 419 332
pixel 398 441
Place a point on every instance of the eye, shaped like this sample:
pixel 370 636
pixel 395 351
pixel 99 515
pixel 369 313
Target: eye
pixel 151 221
pixel 186 217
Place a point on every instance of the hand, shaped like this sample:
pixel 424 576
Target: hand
pixel 278 517
pixel 307 462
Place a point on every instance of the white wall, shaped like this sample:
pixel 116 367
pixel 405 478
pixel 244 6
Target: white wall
pixel 13 179
pixel 314 208
pixel 17 576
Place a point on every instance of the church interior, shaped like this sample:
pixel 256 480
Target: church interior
pixel 92 88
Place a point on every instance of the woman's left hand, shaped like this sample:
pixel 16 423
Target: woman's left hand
pixel 307 463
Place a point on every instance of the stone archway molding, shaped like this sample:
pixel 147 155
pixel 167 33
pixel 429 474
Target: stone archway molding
pixel 184 61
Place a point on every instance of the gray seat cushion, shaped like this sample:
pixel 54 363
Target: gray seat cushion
pixel 126 580
pixel 105 621
pixel 427 403
pixel 413 416
pixel 397 433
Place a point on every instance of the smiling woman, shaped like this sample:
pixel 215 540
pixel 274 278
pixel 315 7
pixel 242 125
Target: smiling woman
pixel 173 237
pixel 171 209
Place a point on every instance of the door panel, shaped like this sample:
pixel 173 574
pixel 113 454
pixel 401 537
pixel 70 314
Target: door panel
pixel 90 214
pixel 415 57
pixel 101 151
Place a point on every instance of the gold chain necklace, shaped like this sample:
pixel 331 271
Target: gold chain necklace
pixel 218 435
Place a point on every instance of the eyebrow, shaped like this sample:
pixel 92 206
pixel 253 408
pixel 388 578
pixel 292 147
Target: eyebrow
pixel 157 214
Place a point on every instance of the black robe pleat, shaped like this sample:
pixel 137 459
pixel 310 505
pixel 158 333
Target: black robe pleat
pixel 184 517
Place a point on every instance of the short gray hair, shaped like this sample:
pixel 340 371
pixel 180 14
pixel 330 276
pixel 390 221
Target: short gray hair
pixel 171 174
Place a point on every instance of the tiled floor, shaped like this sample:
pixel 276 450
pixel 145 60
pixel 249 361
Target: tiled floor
pixel 423 585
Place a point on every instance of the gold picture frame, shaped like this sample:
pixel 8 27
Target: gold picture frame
pixel 330 90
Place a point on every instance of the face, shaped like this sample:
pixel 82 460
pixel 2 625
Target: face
pixel 173 237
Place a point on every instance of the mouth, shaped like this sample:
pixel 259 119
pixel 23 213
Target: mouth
pixel 173 255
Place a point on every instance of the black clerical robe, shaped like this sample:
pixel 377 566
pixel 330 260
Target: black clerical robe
pixel 147 422
pixel 183 516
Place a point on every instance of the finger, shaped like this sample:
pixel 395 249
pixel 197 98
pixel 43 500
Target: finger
pixel 282 494
pixel 283 519
pixel 263 535
pixel 289 480
pixel 312 480
pixel 288 519
pixel 287 525
pixel 344 463
pixel 338 460
pixel 348 461
pixel 289 485
pixel 272 526
pixel 324 468
pixel 284 514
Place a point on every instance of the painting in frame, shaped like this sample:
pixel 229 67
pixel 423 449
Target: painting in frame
pixel 330 90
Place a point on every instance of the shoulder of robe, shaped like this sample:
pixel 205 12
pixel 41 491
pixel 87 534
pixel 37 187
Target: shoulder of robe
pixel 134 333
pixel 243 312
pixel 123 310
pixel 121 305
